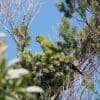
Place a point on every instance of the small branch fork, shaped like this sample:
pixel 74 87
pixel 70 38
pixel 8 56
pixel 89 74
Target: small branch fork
pixel 14 13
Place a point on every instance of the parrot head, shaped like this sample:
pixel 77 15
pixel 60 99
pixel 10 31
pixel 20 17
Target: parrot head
pixel 40 38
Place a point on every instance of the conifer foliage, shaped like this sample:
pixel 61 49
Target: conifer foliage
pixel 66 69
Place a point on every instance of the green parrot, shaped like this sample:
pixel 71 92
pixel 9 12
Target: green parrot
pixel 52 48
pixel 47 46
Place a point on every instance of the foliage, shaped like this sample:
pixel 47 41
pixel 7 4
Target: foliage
pixel 68 64
pixel 47 70
pixel 23 37
pixel 15 15
pixel 14 86
pixel 14 82
pixel 53 66
pixel 69 35
pixel 87 49
pixel 69 7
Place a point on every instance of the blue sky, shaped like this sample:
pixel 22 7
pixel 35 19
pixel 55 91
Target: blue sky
pixel 46 22
pixel 47 19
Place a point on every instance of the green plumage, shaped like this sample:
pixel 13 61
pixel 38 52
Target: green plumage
pixel 51 48
pixel 47 46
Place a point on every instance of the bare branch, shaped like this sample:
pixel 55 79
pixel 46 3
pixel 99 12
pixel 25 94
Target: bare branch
pixel 17 12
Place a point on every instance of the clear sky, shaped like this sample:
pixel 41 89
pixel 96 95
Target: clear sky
pixel 46 22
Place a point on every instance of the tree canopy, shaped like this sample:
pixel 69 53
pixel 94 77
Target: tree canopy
pixel 68 68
